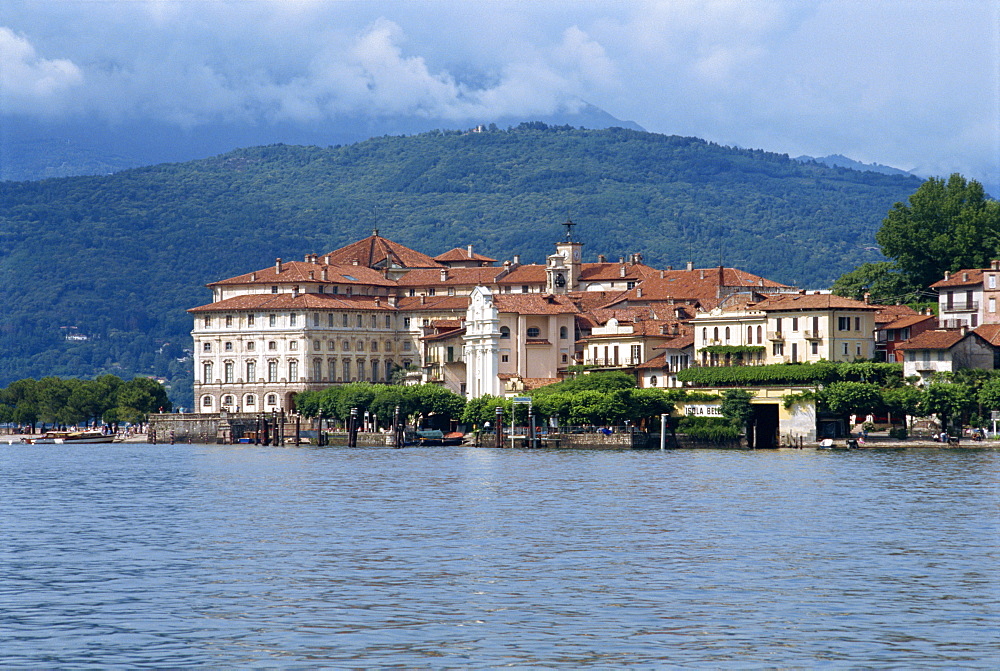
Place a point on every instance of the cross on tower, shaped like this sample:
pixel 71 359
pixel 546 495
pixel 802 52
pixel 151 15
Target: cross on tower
pixel 569 230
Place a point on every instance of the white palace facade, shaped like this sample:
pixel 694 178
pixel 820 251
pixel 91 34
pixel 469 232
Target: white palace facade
pixel 459 319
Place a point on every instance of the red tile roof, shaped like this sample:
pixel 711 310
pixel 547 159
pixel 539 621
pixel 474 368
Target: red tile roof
pixel 532 274
pixel 433 303
pixel 936 339
pixel 796 302
pixel 962 278
pixel 908 320
pixel 303 271
pixel 657 362
pixel 293 302
pixel 990 333
pixel 373 251
pixel 890 313
pixel 459 254
pixel 430 277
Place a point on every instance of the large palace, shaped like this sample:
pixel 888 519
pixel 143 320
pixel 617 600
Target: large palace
pixel 376 310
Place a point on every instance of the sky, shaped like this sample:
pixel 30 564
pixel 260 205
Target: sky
pixel 914 84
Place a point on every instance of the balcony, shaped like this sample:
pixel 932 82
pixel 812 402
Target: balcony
pixel 612 363
pixel 964 306
pixel 811 335
pixel 775 335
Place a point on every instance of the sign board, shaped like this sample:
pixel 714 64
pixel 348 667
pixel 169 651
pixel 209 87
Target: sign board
pixel 995 415
pixel 521 399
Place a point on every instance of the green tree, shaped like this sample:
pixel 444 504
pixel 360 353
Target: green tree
pixel 904 400
pixel 949 401
pixel 882 280
pixel 736 407
pixel 480 410
pixel 989 394
pixel 947 225
pixel 138 397
pixel 845 398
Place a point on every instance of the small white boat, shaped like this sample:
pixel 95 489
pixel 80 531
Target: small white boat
pixel 65 437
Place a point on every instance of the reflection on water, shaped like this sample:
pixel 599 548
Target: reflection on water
pixel 120 555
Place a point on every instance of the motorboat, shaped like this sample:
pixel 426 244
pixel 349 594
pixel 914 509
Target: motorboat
pixel 67 437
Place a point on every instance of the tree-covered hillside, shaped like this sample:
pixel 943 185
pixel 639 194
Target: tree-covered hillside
pixel 117 259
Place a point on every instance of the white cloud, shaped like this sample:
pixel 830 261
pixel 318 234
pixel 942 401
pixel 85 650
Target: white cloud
pixel 29 82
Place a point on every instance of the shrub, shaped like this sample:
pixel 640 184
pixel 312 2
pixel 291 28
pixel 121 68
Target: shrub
pixel 898 433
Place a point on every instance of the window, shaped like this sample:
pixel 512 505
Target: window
pixel 293 345
pixel 274 288
pixel 293 370
pixel 360 346
pixel 271 345
pixel 251 346
pixel 406 322
pixel 329 320
pixel 565 358
pixel 845 344
pixel 272 399
pixel 250 319
pixel 749 335
pixel 388 321
pixel 975 320
pixel 206 401
pixel 206 347
pixel 272 371
pixel 430 292
pixel 858 348
pixel 533 332
pixel 704 334
pixel 344 320
pixel 524 288
pixel 228 347
pixel 795 352
pixel 815 347
pixel 992 281
pixel 332 345
pixel 815 327
pixel 375 367
pixel 250 400
pixel 293 319
pixel 332 368
pixel 347 370
pixel 504 358
pixel 993 305
pixel 227 401
pixel 630 285
pixel 360 323
pixel 715 334
pixel 322 290
pixel 374 321
pixel 857 323
pixel 504 333
pixel 727 335
pixel 206 372
pixel 777 325
pixel 843 324
pixel 636 353
pixel 229 372
pixel 374 346
pixel 272 320
pixel 317 369
pixel 451 291
pixel 229 321
pixel 388 345
pixel 563 333
pixel 346 346
pixel 652 380
pixel 413 292
pixel 208 322
pixel 450 356
pixel 388 370
pixel 778 349
pixel 407 346
pixel 759 334
pixel 251 371
pixel 315 319
pixel 316 345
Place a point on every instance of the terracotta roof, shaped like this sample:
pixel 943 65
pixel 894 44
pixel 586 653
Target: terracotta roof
pixel 962 278
pixel 300 302
pixel 373 250
pixel 990 333
pixel 657 362
pixel 699 284
pixel 908 320
pixel 936 339
pixel 453 277
pixel 598 272
pixel 889 313
pixel 796 302
pixel 534 304
pixel 450 333
pixel 459 254
pixel 536 382
pixel 532 274
pixel 304 271
pixel 446 323
pixel 679 342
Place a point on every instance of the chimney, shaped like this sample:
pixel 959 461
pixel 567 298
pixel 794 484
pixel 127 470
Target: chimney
pixel 517 259
pixel 601 258
pixel 324 275
pixel 675 330
pixel 354 262
pixel 307 258
pixel 392 301
pixel 965 277
pixel 661 272
pixel 947 275
pixel 312 274
pixel 253 276
pixel 444 274
pixel 621 270
pixel 378 302
pixel 326 260
pixel 277 265
pixel 469 251
pixel 423 299
pixel 621 260
pixel 867 298
pixel 964 329
pixel 506 264
pixel 638 292
pixel 690 266
pixel 702 273
pixel 995 264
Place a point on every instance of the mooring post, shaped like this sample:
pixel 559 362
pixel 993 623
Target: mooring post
pixel 663 431
pixel 352 429
pixel 499 428
pixel 298 431
pixel 531 427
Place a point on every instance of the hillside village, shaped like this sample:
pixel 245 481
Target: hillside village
pixel 378 311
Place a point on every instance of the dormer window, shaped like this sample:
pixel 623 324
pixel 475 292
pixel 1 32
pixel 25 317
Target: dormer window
pixel 274 288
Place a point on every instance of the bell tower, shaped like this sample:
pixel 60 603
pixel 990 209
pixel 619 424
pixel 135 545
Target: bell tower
pixel 562 269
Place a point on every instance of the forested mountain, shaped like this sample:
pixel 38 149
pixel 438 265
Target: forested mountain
pixel 117 259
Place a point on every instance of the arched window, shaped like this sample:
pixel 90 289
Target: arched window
pixel 727 334
pixel 227 401
pixel 206 401
pixel 759 338
pixel 715 333
pixel 652 380
pixel 250 400
pixel 533 332
pixel 749 335
pixel 272 399
pixel 704 334
pixel 206 372
pixel 504 332
pixel 563 333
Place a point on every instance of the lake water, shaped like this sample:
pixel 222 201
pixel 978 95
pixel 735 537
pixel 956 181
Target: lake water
pixel 134 556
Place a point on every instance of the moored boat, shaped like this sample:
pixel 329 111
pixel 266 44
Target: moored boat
pixel 63 437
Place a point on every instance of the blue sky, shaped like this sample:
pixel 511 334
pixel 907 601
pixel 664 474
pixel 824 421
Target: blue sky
pixel 910 83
